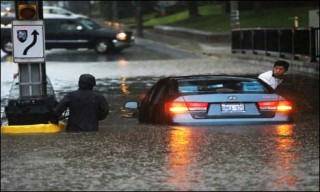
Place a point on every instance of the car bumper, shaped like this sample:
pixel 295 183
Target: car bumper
pixel 185 119
pixel 123 44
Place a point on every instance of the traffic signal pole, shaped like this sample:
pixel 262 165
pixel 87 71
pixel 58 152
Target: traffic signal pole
pixel 32 75
pixel 33 105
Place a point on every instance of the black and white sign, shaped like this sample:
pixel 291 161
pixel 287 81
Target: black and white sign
pixel 28 41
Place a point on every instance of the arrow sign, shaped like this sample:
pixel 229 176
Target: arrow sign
pixel 34 33
pixel 31 49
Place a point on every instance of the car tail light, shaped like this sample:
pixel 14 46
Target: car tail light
pixel 275 105
pixel 182 107
pixel 197 106
pixel 284 106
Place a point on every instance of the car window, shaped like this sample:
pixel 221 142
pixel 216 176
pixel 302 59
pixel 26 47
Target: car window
pixel 56 11
pixel 221 86
pixel 68 25
pixel 52 25
pixel 159 94
pixel 157 91
pixel 89 24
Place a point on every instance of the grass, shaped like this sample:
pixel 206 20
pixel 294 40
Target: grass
pixel 213 19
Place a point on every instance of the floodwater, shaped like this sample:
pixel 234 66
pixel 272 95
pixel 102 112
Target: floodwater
pixel 125 155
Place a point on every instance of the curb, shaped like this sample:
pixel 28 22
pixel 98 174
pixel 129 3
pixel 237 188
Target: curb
pixel 202 36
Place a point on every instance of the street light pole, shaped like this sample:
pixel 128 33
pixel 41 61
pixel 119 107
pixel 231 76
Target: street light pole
pixel 234 15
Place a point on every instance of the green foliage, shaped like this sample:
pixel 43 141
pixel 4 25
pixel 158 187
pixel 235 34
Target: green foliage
pixel 167 20
pixel 283 17
pixel 213 18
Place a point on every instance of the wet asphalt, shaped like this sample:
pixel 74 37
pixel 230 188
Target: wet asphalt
pixel 127 156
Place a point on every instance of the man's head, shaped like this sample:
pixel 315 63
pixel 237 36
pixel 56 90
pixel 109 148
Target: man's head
pixel 279 68
pixel 87 81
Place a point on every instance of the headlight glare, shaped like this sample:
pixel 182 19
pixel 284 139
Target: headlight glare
pixel 121 36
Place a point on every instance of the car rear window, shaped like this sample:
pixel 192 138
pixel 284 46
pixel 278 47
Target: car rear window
pixel 221 86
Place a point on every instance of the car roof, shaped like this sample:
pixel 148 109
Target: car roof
pixel 211 77
pixel 54 7
pixel 59 16
pixel 45 16
pixel 63 9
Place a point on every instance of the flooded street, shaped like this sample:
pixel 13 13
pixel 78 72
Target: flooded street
pixel 128 156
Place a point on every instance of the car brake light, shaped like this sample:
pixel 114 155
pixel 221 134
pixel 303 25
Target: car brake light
pixel 197 106
pixel 176 107
pixel 181 107
pixel 275 105
pixel 284 106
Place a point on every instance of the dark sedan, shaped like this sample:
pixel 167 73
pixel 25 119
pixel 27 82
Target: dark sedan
pixel 211 99
pixel 72 32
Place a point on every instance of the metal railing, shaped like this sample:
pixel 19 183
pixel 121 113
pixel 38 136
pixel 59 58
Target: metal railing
pixel 293 43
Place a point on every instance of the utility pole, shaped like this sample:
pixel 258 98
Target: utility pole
pixel 114 11
pixel 139 22
pixel 234 14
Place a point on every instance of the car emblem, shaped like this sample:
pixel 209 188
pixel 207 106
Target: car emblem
pixel 22 35
pixel 232 97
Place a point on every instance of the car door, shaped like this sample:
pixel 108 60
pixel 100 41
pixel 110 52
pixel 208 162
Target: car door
pixel 65 33
pixel 157 113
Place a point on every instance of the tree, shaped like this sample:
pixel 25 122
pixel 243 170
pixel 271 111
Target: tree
pixel 115 11
pixel 257 7
pixel 139 20
pixel 82 7
pixel 193 8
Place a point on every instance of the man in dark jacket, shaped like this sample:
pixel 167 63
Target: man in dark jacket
pixel 86 107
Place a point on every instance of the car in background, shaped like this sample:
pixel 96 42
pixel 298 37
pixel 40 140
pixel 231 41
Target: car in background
pixel 73 32
pixel 210 100
pixel 7 13
pixel 7 8
pixel 60 11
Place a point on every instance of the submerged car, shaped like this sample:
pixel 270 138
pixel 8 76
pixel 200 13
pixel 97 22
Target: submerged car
pixel 211 99
pixel 73 32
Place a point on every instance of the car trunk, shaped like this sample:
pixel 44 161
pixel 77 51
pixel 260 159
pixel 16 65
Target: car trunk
pixel 232 105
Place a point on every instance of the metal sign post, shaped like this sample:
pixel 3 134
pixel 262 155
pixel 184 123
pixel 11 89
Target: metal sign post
pixel 33 105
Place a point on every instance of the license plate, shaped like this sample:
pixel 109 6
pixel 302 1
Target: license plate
pixel 232 107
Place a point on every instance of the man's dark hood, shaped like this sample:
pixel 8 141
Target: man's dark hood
pixel 87 81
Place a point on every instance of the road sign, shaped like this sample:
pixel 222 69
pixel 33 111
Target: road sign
pixel 28 41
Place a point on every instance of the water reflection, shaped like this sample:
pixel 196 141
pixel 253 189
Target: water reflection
pixel 284 157
pixel 124 86
pixel 183 162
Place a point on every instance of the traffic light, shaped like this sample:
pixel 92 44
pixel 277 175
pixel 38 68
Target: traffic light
pixel 27 12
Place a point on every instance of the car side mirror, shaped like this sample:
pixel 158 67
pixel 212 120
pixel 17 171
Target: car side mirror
pixel 131 105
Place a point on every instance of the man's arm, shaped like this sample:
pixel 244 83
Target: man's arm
pixel 103 109
pixel 59 109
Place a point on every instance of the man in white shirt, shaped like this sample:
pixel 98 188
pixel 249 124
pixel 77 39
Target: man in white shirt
pixel 275 76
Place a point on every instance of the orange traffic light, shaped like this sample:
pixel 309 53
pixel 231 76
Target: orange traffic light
pixel 27 12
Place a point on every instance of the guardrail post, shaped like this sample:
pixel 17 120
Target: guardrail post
pixel 279 43
pixel 313 43
pixel 265 42
pixel 294 43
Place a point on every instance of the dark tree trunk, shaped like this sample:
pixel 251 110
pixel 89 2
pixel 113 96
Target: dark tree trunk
pixel 193 8
pixel 139 21
pixel 257 6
